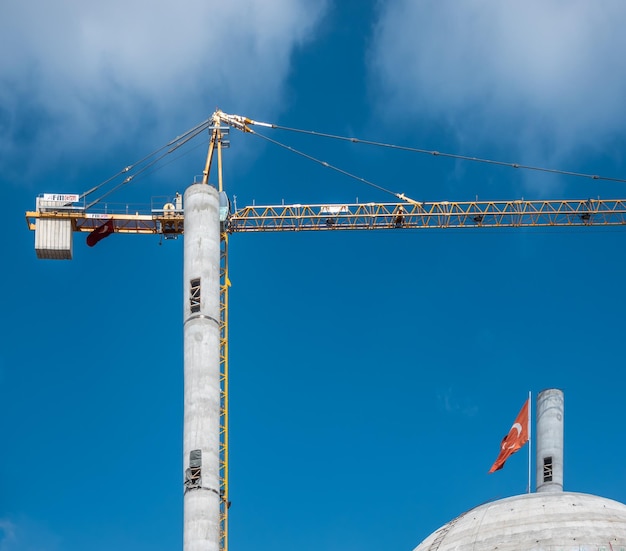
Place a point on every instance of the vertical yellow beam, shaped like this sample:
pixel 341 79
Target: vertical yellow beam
pixel 219 156
pixel 224 285
pixel 215 139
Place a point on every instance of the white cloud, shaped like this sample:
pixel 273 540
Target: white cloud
pixel 545 75
pixel 25 535
pixel 73 71
pixel 449 402
pixel 7 533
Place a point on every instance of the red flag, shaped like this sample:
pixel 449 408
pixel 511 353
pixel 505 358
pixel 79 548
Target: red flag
pixel 101 232
pixel 517 437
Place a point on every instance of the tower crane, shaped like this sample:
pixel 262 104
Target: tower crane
pixel 204 217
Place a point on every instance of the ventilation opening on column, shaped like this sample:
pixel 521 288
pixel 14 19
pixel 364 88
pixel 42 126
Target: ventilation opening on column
pixel 547 469
pixel 194 295
pixel 193 475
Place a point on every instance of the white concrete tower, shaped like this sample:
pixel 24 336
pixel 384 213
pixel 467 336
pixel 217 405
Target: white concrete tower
pixel 201 280
pixel 549 441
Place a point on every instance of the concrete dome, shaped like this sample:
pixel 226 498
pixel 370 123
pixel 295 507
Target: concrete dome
pixel 551 521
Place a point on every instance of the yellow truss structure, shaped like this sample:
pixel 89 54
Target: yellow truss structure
pixel 224 285
pixel 442 214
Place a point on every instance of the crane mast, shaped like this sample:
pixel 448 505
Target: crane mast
pixel 204 218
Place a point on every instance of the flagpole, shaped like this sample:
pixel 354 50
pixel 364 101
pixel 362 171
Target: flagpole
pixel 530 440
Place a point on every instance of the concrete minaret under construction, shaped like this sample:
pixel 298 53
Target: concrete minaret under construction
pixel 549 438
pixel 201 331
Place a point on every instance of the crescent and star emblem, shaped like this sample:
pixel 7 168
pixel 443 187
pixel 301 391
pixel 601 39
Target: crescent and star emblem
pixel 518 428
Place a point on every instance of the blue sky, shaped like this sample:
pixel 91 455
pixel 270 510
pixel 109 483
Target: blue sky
pixel 373 375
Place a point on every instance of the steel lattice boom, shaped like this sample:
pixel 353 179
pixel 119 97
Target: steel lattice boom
pixel 445 214
pixel 366 216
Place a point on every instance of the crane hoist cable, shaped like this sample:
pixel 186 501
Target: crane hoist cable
pixel 242 121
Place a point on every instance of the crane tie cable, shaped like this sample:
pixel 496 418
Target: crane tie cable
pixel 173 145
pixel 443 154
pixel 327 165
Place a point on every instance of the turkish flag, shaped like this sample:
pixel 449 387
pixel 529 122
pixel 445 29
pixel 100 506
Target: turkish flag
pixel 517 437
pixel 101 232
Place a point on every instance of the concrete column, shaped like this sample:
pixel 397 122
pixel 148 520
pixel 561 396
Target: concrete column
pixel 201 307
pixel 549 441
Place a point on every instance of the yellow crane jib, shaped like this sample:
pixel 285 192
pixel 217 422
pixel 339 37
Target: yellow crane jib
pixel 57 216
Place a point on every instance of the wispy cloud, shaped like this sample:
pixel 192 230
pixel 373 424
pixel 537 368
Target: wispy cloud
pixel 23 535
pixel 450 403
pixel 546 76
pixel 72 72
pixel 7 534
